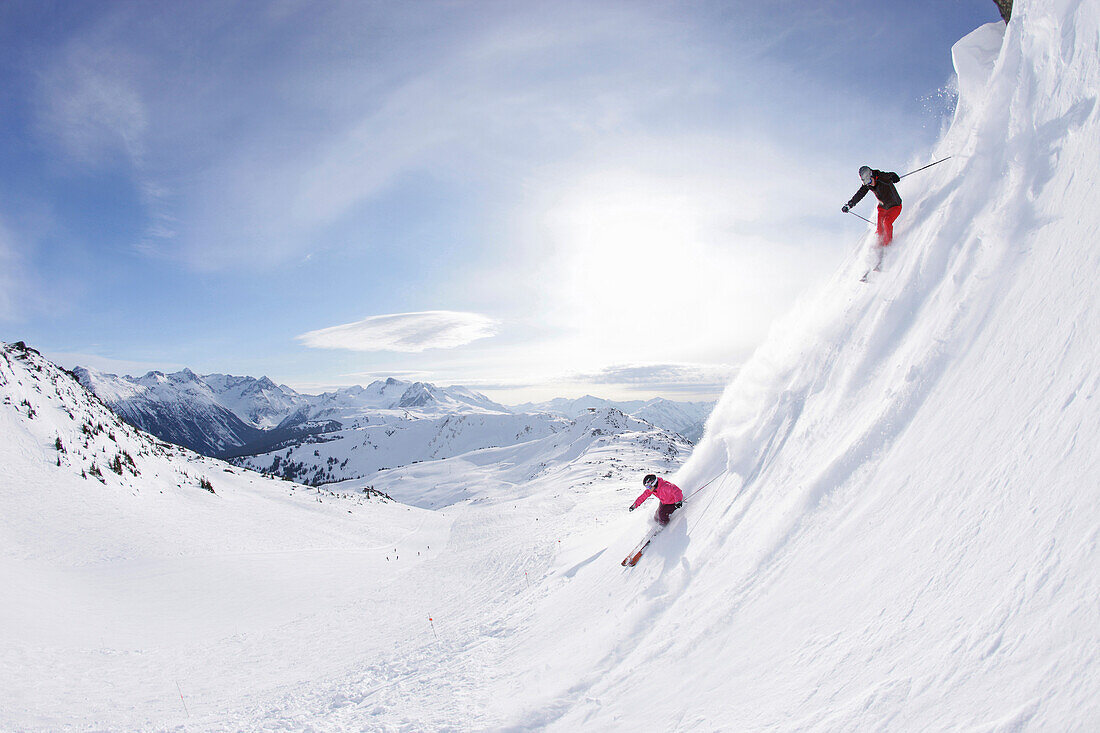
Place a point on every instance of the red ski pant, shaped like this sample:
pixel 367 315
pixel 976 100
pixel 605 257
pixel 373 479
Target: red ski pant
pixel 885 226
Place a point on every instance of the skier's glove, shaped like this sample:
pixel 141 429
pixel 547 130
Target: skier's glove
pixel 633 508
pixel 844 208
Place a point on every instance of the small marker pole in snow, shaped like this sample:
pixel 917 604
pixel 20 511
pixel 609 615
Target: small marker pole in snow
pixel 182 700
pixel 433 628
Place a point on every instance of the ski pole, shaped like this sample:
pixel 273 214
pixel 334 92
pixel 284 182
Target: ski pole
pixel 918 170
pixel 861 217
pixel 708 483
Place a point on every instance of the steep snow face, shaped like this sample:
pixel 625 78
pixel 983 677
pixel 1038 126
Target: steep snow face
pixel 904 532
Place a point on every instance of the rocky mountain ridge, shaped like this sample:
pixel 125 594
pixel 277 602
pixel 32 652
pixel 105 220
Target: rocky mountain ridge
pixel 273 428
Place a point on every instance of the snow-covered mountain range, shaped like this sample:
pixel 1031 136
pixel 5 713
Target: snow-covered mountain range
pixel 385 424
pixel 181 408
pixel 96 484
pixel 620 445
pixel 219 414
pixel 360 452
pixel 685 418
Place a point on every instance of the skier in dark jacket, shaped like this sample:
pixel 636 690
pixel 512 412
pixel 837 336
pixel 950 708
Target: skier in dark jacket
pixel 889 202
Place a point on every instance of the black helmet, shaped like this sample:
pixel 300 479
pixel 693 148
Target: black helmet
pixel 649 481
pixel 865 174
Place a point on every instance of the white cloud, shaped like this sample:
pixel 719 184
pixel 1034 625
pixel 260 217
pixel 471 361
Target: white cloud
pixel 404 332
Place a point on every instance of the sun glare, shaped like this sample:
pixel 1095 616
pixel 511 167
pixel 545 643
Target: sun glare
pixel 639 266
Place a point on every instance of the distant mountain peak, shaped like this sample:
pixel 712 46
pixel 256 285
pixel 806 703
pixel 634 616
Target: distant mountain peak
pixel 418 394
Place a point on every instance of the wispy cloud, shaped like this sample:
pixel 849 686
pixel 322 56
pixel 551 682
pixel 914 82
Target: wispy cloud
pixel 89 105
pixel 407 375
pixel 661 377
pixel 404 332
pixel 448 91
pixel 92 102
pixel 8 275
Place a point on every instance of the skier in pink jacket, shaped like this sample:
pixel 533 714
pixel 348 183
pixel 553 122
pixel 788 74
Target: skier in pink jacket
pixel 667 493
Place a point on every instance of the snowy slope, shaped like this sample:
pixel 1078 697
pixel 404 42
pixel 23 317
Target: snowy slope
pixel 906 533
pixel 359 452
pixel 143 602
pixel 621 446
pixel 119 584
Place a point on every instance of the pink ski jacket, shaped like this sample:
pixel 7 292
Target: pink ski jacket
pixel 666 492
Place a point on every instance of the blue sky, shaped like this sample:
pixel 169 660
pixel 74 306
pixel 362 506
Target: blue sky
pixel 532 199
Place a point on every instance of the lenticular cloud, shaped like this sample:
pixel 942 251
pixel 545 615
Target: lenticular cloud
pixel 406 332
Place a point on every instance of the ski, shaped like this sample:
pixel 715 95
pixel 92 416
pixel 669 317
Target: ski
pixel 632 559
pixel 867 274
pixel 636 554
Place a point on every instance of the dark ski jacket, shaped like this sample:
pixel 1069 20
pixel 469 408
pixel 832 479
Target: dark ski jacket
pixel 882 183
